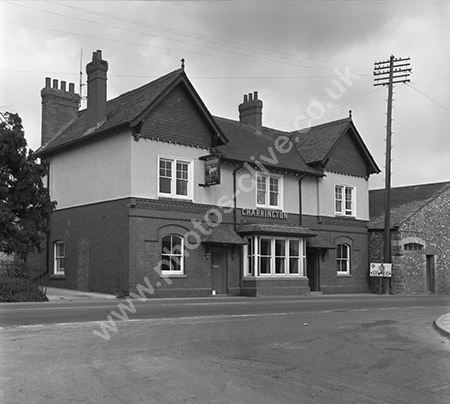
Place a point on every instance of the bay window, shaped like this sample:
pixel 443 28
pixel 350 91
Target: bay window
pixel 266 256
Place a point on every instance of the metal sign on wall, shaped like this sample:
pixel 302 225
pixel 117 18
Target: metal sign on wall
pixel 212 170
pixel 381 270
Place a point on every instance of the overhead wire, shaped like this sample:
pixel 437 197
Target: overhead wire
pixel 433 100
pixel 245 56
pixel 332 109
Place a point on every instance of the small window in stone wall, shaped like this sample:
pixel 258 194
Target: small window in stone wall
pixel 413 247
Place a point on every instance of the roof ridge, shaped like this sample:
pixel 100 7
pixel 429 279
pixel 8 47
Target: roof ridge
pixel 322 124
pixel 127 93
pixel 413 186
pixel 242 123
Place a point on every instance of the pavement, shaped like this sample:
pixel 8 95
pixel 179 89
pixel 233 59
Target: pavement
pixel 58 294
pixel 442 324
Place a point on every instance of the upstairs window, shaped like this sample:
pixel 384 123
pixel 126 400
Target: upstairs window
pixel 59 249
pixel 175 178
pixel 268 191
pixel 343 200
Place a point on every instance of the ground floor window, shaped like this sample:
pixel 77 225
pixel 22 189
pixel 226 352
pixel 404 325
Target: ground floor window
pixel 343 259
pixel 274 256
pixel 60 255
pixel 172 260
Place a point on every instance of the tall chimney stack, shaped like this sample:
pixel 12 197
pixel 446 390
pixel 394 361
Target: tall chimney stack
pixel 250 111
pixel 96 93
pixel 59 107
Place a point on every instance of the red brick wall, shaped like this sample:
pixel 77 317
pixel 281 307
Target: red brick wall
pixel 152 220
pixel 355 234
pixel 96 241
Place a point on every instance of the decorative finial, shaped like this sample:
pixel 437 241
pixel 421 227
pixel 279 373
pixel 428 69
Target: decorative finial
pixel 182 63
pixel 350 114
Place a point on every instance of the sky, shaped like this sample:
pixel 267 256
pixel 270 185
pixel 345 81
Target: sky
pixel 310 61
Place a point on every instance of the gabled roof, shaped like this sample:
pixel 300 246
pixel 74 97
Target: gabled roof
pixel 246 144
pixel 127 110
pixel 316 143
pixel 405 202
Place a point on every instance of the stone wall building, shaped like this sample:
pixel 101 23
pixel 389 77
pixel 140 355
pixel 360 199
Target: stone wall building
pixel 420 237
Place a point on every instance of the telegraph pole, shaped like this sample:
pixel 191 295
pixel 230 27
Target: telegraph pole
pixel 387 73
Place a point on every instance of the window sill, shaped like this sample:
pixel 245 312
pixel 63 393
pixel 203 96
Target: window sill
pixel 58 276
pixel 172 276
pixel 291 276
pixel 344 276
pixel 174 198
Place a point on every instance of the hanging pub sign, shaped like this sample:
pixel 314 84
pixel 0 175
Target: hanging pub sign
pixel 212 170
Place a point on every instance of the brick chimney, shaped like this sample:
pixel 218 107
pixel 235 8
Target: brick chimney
pixel 250 111
pixel 59 107
pixel 96 91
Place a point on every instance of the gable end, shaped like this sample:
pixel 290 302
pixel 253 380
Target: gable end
pixel 177 119
pixel 346 158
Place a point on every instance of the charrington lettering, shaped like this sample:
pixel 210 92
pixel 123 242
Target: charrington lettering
pixel 274 214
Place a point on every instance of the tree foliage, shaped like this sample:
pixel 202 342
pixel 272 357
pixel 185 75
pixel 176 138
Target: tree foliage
pixel 25 205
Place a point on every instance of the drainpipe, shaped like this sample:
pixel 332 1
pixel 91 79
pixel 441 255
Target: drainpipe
pixel 300 199
pixel 241 268
pixel 234 196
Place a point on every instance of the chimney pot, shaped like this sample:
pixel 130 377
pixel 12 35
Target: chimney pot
pixel 58 108
pixel 71 87
pixel 96 93
pixel 250 111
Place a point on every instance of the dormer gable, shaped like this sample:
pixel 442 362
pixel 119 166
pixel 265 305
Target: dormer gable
pixel 179 116
pixel 336 146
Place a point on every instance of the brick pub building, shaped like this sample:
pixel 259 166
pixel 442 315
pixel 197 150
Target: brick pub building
pixel 150 185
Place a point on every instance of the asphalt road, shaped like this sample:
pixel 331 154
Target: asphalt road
pixel 333 350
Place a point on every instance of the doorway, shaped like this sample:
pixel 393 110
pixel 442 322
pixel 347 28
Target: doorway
pixel 218 271
pixel 430 274
pixel 312 270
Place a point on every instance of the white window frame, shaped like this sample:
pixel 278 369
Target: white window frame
pixel 59 269
pixel 343 210
pixel 254 257
pixel 173 177
pixel 178 256
pixel 267 191
pixel 346 261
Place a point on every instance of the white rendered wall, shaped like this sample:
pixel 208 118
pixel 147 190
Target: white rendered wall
pixel 95 172
pixel 326 194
